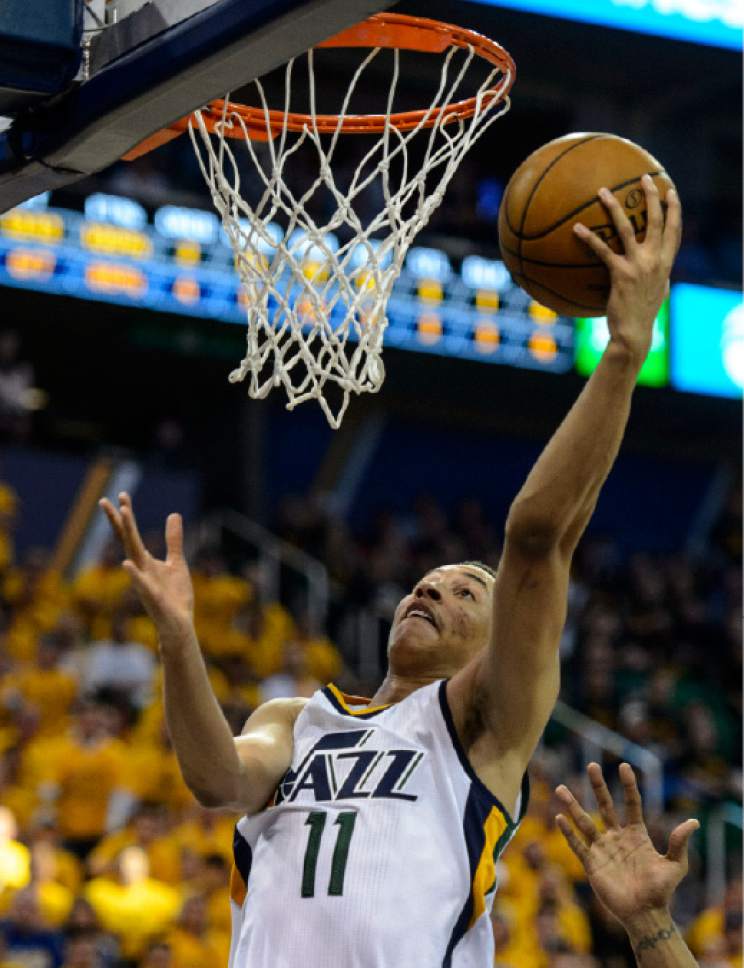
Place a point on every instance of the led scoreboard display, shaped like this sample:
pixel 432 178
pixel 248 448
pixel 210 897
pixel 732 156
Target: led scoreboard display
pixel 182 263
pixel 715 22
pixel 708 348
pixel 32 226
pixel 593 335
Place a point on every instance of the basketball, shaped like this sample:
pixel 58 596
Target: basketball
pixel 555 187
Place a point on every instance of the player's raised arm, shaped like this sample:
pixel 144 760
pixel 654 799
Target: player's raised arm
pixel 632 880
pixel 219 770
pixel 558 497
pixel 515 682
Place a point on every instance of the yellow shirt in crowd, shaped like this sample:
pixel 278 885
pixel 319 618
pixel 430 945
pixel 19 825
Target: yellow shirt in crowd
pixel 84 775
pixel 162 855
pixel 50 691
pixel 214 837
pixel 189 951
pixel 134 912
pixel 153 773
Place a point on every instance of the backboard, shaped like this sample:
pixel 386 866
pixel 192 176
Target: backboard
pixel 146 65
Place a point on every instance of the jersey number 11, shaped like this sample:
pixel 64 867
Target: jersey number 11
pixel 316 821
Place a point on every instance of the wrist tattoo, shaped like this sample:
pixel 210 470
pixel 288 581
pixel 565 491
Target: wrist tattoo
pixel 652 940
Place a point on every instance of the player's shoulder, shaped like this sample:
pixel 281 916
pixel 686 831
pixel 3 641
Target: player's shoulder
pixel 280 711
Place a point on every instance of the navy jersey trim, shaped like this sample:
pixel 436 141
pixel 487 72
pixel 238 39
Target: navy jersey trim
pixel 524 797
pixel 483 790
pixel 474 822
pixel 476 811
pixel 243 855
pixel 338 706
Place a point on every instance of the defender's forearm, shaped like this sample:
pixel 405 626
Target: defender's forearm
pixel 201 737
pixel 560 493
pixel 657 943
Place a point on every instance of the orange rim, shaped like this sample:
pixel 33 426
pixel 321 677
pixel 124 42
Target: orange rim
pixel 386 30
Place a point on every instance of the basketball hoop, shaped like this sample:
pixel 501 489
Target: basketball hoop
pixel 315 290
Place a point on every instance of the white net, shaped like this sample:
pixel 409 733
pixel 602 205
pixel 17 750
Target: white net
pixel 316 276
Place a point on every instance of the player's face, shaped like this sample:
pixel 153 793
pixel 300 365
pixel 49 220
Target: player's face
pixel 443 623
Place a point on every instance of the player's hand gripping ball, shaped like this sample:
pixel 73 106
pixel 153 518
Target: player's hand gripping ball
pixel 555 188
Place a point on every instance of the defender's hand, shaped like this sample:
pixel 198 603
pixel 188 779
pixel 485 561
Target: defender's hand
pixel 622 866
pixel 640 276
pixel 164 587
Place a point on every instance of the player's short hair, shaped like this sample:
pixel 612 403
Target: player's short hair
pixel 479 564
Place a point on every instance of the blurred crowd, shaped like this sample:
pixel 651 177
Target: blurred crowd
pixel 107 861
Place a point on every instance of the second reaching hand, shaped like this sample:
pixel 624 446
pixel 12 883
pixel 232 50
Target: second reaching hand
pixel 633 881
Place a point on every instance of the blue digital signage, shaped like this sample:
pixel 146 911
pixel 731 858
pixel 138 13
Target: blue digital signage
pixel 707 344
pixel 469 308
pixel 715 22
pixel 183 263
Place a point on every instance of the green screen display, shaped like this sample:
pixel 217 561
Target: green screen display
pixel 592 336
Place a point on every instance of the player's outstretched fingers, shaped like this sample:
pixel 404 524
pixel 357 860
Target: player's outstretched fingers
pixel 602 796
pixel 620 220
pixel 597 245
pixel 174 537
pixel 574 842
pixel 135 547
pixel 679 840
pixel 633 803
pixel 672 228
pixel 654 212
pixel 579 816
pixel 114 518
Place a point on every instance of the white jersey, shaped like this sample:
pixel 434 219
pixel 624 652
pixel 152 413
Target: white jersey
pixel 379 849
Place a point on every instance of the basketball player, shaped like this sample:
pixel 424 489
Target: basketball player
pixel 371 828
pixel 629 877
